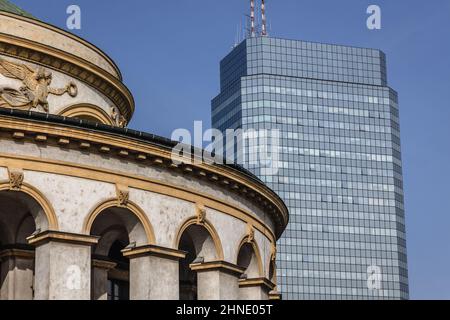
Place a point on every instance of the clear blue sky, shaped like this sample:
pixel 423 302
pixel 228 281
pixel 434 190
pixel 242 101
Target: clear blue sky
pixel 169 53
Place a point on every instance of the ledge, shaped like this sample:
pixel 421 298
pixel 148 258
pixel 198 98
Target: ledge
pixel 47 236
pixel 222 266
pixel 152 250
pixel 257 282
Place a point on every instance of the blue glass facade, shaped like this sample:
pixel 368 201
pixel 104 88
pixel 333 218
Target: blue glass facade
pixel 340 162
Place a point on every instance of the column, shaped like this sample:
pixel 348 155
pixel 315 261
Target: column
pixel 255 289
pixel 217 280
pixel 154 272
pixel 99 285
pixel 16 278
pixel 62 265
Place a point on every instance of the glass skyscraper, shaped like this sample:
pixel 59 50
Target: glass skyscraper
pixel 340 162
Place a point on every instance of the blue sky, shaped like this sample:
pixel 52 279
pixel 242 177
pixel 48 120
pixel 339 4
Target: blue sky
pixel 169 53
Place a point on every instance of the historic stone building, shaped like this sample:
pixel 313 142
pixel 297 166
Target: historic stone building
pixel 92 210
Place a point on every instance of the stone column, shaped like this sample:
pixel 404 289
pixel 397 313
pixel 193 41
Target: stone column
pixel 255 289
pixel 154 272
pixel 99 285
pixel 217 280
pixel 62 265
pixel 16 278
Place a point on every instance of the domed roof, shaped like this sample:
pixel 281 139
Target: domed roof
pixel 7 6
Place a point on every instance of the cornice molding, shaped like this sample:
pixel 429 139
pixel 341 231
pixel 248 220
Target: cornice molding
pixel 257 193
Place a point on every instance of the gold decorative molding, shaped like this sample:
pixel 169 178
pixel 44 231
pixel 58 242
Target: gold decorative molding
pixel 16 177
pixel 123 195
pixel 153 250
pixel 219 265
pixel 58 236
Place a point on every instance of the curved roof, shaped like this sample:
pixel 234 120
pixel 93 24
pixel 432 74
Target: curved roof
pixel 7 6
pixel 161 142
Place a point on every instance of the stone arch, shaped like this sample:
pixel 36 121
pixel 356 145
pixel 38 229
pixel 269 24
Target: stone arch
pixel 118 227
pixel 249 258
pixel 23 213
pixel 87 111
pixel 134 209
pixel 210 230
pixel 201 242
pixel 41 209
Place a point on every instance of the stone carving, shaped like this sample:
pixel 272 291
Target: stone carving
pixel 15 179
pixel 273 252
pixel 35 89
pixel 250 233
pixel 123 195
pixel 117 118
pixel 201 214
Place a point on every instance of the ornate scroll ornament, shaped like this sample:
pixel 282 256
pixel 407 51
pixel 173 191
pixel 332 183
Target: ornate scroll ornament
pixel 250 233
pixel 123 195
pixel 35 90
pixel 201 213
pixel 117 118
pixel 15 178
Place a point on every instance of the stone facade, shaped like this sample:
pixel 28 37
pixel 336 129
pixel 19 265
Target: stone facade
pixel 100 212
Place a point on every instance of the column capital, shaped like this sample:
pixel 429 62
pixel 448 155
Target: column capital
pixel 58 236
pixel 219 265
pixel 262 282
pixel 153 250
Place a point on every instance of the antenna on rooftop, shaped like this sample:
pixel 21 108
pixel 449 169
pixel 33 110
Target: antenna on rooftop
pixel 252 18
pixel 263 17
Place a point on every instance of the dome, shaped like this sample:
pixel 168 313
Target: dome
pixel 12 8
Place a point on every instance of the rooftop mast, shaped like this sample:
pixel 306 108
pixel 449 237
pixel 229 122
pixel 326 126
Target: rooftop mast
pixel 263 15
pixel 252 18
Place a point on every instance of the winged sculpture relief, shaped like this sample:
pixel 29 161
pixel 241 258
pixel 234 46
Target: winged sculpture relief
pixel 35 89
